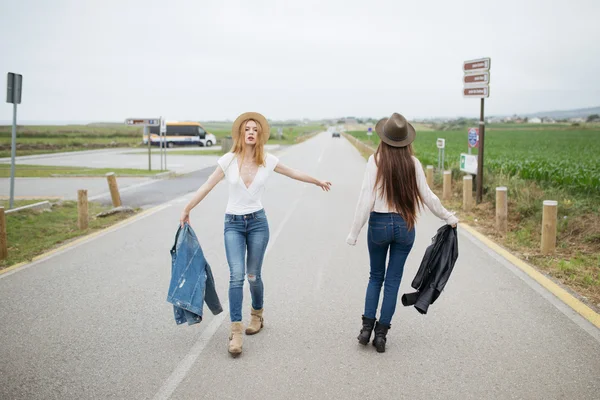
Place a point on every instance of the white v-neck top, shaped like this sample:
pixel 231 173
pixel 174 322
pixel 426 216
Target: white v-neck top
pixel 245 200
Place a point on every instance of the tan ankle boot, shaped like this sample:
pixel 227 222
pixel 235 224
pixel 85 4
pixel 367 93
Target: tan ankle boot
pixel 235 338
pixel 256 322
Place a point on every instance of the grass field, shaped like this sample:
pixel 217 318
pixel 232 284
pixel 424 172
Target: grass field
pixel 43 171
pixel 535 163
pixel 562 156
pixel 51 139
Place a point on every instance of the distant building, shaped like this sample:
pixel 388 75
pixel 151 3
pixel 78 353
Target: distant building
pixel 548 120
pixel 534 120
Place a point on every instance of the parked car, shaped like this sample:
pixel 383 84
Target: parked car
pixel 335 134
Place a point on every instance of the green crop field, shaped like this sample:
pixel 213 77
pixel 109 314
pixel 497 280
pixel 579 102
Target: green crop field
pixel 559 155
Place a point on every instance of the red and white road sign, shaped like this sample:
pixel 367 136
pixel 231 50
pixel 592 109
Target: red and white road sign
pixel 477 92
pixel 477 79
pixel 483 64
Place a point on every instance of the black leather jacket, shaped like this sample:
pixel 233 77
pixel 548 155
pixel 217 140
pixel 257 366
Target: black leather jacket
pixel 435 269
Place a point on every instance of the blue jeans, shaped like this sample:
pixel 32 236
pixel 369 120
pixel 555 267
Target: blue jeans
pixel 245 235
pixel 386 231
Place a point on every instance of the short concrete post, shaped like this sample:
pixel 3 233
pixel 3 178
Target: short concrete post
pixel 82 210
pixel 430 175
pixel 447 185
pixel 467 192
pixel 3 236
pixel 549 216
pixel 114 189
pixel 502 209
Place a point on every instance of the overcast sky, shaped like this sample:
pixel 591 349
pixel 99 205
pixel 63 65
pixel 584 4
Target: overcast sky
pixel 210 60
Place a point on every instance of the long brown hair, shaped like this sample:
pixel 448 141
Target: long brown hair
pixel 397 181
pixel 239 146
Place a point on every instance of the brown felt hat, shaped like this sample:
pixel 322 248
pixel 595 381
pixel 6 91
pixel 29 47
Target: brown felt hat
pixel 395 131
pixel 259 118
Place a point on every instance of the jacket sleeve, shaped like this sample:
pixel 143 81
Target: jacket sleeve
pixel 450 252
pixel 210 295
pixel 430 199
pixel 366 202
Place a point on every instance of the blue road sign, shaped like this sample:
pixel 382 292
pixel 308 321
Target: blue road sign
pixel 473 137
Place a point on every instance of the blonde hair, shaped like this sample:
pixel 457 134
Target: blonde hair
pixel 239 144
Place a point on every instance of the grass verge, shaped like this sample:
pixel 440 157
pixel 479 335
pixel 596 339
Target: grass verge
pixel 44 171
pixel 193 153
pixel 31 233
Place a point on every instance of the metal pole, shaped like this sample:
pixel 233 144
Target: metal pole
pixel 443 159
pixel 160 154
pixel 160 140
pixel 13 154
pixel 480 155
pixel 147 134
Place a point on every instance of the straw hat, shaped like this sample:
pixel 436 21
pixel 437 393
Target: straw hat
pixel 259 118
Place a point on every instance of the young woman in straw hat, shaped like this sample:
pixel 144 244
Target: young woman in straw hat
pixel 246 169
pixel 394 189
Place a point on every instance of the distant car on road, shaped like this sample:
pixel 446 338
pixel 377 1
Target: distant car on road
pixel 335 134
pixel 182 133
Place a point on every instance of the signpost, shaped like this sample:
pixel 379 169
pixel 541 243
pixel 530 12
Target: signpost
pixel 476 85
pixel 441 145
pixel 14 85
pixel 145 122
pixel 370 131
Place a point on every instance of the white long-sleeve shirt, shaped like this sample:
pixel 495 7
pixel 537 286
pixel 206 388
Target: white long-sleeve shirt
pixel 371 200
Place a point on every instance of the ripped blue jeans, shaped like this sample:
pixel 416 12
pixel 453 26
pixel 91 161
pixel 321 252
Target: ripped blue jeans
pixel 246 240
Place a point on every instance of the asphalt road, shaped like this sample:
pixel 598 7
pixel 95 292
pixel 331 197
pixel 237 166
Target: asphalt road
pixel 92 322
pixel 121 158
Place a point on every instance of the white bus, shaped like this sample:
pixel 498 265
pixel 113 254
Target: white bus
pixel 182 133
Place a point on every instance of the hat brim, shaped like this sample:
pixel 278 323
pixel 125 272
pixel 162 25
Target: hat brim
pixel 412 134
pixel 262 121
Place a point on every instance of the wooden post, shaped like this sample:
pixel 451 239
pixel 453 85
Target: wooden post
pixel 447 185
pixel 549 226
pixel 467 192
pixel 82 210
pixel 430 175
pixel 3 238
pixel 502 209
pixel 114 189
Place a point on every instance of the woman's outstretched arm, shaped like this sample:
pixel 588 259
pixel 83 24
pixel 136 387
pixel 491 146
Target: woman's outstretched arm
pixel 301 176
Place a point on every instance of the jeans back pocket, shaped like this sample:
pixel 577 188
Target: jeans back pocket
pixel 378 234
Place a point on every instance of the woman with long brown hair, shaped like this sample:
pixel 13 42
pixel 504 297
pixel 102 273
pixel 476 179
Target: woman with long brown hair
pixel 393 191
pixel 246 169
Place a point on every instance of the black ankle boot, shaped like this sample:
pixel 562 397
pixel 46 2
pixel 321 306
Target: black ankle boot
pixel 365 333
pixel 380 336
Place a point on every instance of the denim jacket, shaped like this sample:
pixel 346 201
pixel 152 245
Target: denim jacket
pixel 192 281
